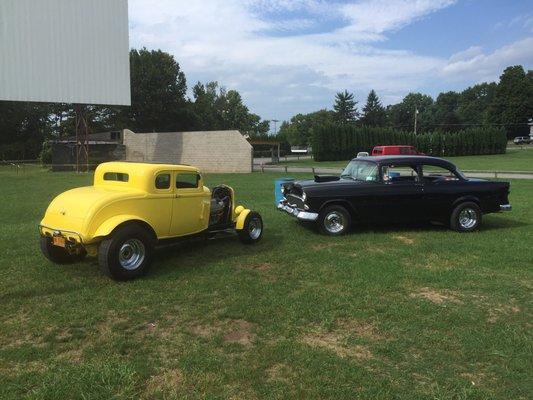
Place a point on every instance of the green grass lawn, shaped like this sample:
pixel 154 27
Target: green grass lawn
pixel 403 312
pixel 513 160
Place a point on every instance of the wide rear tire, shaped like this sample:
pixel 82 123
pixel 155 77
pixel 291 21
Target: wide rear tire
pixel 59 255
pixel 126 253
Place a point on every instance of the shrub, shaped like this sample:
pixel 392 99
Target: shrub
pixel 342 142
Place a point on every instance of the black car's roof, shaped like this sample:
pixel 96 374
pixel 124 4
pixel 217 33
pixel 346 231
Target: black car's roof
pixel 408 159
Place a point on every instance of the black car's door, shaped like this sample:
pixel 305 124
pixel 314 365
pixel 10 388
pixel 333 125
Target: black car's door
pixel 398 198
pixel 441 188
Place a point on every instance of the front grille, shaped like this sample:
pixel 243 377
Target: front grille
pixel 295 201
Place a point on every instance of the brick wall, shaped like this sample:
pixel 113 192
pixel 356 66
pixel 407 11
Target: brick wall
pixel 211 151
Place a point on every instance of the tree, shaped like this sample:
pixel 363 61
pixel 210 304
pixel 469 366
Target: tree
pixel 442 115
pixel 158 88
pixel 402 115
pixel 299 130
pixel 474 103
pixel 345 107
pixel 512 104
pixel 373 112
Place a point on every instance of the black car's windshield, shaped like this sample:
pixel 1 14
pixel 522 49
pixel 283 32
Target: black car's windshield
pixel 359 170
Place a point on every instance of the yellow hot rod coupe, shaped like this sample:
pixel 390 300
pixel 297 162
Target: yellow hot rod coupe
pixel 132 207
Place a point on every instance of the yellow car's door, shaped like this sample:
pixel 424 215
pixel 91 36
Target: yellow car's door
pixel 190 206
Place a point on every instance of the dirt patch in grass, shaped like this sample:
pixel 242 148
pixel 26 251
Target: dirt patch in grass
pixel 73 356
pixel 280 372
pixel 324 246
pixel 404 239
pixel 337 341
pixel 479 378
pixel 237 331
pixel 257 267
pixel 431 262
pixel 240 331
pixel 360 329
pixel 436 296
pixel 502 310
pixel 204 331
pixel 168 381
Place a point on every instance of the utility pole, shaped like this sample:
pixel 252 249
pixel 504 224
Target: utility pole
pixel 275 125
pixel 416 117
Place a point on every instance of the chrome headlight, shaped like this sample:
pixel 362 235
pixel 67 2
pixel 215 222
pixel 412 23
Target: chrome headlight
pixel 282 189
pixel 304 196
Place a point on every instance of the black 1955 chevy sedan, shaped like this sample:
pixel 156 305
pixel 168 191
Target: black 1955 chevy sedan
pixel 394 189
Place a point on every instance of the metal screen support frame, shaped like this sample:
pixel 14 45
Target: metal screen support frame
pixel 82 139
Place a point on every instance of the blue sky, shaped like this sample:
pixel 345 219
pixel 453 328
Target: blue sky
pixel 291 56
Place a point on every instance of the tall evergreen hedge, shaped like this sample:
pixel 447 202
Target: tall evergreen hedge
pixel 343 142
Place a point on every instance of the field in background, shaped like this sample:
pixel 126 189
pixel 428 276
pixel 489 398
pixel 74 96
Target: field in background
pixel 513 160
pixel 401 312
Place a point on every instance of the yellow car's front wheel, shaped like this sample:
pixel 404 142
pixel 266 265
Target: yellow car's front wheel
pixel 252 230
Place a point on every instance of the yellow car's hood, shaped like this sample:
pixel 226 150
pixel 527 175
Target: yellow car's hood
pixel 71 209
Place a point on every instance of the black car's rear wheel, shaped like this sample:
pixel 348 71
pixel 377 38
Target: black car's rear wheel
pixel 59 255
pixel 126 253
pixel 466 217
pixel 334 220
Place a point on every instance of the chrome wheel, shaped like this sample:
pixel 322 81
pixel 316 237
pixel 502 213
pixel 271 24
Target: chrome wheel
pixel 254 228
pixel 131 254
pixel 334 222
pixel 468 218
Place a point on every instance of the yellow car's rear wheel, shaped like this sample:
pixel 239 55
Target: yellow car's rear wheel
pixel 126 253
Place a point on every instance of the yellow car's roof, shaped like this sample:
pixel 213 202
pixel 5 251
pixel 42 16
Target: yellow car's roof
pixel 137 167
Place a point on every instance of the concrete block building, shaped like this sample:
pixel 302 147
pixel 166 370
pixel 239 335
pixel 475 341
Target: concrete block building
pixel 211 151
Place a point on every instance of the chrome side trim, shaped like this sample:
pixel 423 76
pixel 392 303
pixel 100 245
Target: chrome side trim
pixel 505 207
pixel 295 212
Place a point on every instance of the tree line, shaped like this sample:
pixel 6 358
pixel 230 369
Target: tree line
pixel 507 104
pixel 159 103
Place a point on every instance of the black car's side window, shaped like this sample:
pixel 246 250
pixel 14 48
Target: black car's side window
pixel 397 174
pixel 433 173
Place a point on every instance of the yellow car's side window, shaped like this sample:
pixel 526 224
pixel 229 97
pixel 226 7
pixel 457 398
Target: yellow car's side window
pixel 187 180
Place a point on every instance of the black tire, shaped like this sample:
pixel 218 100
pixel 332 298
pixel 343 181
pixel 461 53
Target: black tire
pixel 129 240
pixel 334 220
pixel 59 255
pixel 466 217
pixel 252 231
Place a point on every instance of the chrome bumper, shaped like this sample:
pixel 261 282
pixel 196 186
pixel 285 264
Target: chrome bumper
pixel 505 207
pixel 295 212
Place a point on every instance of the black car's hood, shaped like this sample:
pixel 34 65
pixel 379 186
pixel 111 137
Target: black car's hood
pixel 324 182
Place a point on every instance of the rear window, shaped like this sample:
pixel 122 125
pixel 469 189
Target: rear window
pixel 116 176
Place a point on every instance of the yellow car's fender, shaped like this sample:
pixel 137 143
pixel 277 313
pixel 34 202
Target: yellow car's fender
pixel 110 224
pixel 239 224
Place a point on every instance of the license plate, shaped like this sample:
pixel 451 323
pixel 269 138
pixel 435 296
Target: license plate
pixel 58 241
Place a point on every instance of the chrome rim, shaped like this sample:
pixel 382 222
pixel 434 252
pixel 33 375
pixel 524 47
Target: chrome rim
pixel 334 222
pixel 131 254
pixel 255 227
pixel 467 218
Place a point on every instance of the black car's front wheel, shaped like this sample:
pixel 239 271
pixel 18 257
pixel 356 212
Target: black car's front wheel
pixel 466 217
pixel 126 253
pixel 334 220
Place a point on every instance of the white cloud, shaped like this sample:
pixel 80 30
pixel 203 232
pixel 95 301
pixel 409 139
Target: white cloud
pixel 475 65
pixel 231 41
